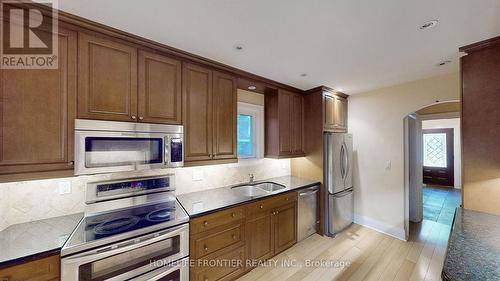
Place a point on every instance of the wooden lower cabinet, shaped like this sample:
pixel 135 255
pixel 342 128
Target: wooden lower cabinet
pixel 225 245
pixel 44 269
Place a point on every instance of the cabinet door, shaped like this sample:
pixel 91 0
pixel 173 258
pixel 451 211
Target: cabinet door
pixel 197 112
pixel 107 79
pixel 43 269
pixel 285 227
pixel 341 113
pixel 37 114
pixel 297 124
pixel 329 111
pixel 285 122
pixel 260 242
pixel 225 112
pixel 160 91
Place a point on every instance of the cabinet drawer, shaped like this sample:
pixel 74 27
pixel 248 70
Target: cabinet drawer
pixel 207 243
pixel 227 266
pixel 39 270
pixel 266 205
pixel 216 219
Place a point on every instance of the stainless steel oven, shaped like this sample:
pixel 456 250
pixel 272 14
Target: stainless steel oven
pixel 133 229
pixel 158 252
pixel 109 146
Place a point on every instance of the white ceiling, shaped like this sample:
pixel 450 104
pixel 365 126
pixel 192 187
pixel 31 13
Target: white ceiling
pixel 351 44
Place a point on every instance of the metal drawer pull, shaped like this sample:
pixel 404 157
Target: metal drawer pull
pixel 234 237
pixel 206 248
pixel 261 206
pixel 205 223
pixel 233 215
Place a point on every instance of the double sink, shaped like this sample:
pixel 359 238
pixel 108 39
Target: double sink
pixel 257 189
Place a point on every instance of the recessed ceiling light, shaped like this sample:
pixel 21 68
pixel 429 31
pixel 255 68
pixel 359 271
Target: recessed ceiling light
pixel 429 24
pixel 238 48
pixel 443 63
pixel 252 88
pixel 303 75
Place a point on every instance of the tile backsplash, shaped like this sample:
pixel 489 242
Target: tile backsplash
pixel 40 199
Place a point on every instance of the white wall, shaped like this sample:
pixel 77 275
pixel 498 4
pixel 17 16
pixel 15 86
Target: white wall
pixel 376 122
pixel 453 123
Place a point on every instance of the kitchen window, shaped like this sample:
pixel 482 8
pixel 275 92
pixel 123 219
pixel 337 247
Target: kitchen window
pixel 250 130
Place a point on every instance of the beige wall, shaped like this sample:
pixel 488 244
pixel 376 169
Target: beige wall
pixel 250 97
pixel 376 122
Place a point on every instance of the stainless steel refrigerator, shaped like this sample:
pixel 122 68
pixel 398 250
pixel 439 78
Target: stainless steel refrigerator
pixel 338 182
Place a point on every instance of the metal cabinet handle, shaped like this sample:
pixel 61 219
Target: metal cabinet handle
pixel 71 163
pixel 234 237
pixel 261 206
pixel 233 215
pixel 134 117
pixel 140 117
pixel 206 248
pixel 205 223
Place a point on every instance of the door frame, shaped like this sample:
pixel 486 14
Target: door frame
pixel 450 156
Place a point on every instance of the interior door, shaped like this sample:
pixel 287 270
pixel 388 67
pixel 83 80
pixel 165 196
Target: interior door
pixel 438 157
pixel 334 175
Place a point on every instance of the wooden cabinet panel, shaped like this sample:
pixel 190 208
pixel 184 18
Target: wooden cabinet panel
pixel 107 79
pixel 38 109
pixel 225 114
pixel 197 112
pixel 297 124
pixel 207 243
pixel 44 269
pixel 285 232
pixel 223 273
pixel 160 93
pixel 260 243
pixel 335 113
pixel 285 122
pixel 216 219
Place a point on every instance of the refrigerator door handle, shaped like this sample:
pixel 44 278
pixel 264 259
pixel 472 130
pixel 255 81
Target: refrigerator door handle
pixel 342 164
pixel 346 161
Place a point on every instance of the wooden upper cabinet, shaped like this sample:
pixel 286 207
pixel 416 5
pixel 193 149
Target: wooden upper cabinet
pixel 107 79
pixel 225 114
pixel 284 124
pixel 297 124
pixel 38 110
pixel 197 110
pixel 209 115
pixel 335 112
pixel 160 93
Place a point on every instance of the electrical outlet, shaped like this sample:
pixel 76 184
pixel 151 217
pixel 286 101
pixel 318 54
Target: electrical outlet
pixel 388 165
pixel 198 175
pixel 64 187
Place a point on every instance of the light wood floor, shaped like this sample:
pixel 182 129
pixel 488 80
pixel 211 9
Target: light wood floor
pixel 372 256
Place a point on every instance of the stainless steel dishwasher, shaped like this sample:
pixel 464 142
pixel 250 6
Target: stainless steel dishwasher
pixel 308 212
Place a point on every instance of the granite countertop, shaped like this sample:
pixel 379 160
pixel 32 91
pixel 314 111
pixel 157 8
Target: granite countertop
pixel 24 241
pixel 202 202
pixel 473 251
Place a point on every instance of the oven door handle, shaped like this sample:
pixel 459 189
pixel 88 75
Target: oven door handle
pixel 182 265
pixel 110 250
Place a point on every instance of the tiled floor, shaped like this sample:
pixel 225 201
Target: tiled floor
pixel 440 203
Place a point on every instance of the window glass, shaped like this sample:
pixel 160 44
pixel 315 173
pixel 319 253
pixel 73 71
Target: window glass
pixel 245 136
pixel 435 150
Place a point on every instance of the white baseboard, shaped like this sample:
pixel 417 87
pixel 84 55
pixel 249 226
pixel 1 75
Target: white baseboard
pixel 379 226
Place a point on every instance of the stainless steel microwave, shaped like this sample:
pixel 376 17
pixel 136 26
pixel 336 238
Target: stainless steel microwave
pixel 110 146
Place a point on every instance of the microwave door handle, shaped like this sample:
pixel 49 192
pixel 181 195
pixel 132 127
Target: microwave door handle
pixel 109 251
pixel 167 151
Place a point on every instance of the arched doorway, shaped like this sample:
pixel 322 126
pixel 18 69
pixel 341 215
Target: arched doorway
pixel 432 167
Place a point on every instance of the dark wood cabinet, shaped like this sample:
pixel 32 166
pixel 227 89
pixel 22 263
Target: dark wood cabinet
pixel 284 124
pixel 285 227
pixel 225 114
pixel 107 79
pixel 335 112
pixel 38 110
pixel 159 89
pixel 209 114
pixel 44 269
pixel 260 245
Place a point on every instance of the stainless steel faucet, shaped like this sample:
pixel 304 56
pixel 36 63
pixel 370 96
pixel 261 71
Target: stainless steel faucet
pixel 250 177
